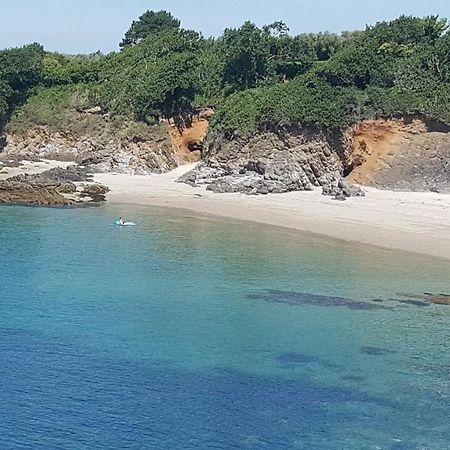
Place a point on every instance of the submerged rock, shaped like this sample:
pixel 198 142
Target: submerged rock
pixel 293 359
pixel 354 378
pixel 425 299
pixel 303 299
pixel 439 299
pixel 296 358
pixel 376 351
pixel 418 303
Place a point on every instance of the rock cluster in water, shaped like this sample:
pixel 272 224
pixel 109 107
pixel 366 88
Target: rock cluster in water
pixel 427 298
pixel 56 186
pixel 294 298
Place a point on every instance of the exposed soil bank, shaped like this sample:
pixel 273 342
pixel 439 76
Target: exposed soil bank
pixel 402 154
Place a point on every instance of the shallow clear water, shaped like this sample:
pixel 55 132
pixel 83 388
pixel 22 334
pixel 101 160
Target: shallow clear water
pixel 195 333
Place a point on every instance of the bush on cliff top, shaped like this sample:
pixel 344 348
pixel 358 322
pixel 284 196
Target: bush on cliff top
pixel 255 78
pixel 52 107
pixel 395 68
pixel 20 71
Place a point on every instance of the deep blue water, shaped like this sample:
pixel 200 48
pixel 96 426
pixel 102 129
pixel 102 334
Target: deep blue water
pixel 196 333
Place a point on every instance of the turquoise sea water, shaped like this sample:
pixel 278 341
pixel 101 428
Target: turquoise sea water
pixel 197 333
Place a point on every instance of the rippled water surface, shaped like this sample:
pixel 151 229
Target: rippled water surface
pixel 195 333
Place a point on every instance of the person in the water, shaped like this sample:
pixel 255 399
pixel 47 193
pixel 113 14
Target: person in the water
pixel 121 221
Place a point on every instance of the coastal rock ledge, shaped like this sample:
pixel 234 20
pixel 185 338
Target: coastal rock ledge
pixel 56 186
pixel 105 147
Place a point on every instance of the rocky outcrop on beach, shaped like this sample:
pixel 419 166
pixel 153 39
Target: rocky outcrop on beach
pixel 409 154
pixel 138 155
pixel 22 192
pixel 103 143
pixel 299 159
pixel 56 186
pixel 339 188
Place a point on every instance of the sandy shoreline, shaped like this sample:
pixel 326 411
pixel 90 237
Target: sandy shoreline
pixel 30 168
pixel 408 221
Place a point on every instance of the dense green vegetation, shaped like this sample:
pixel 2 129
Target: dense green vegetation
pixel 54 107
pixel 390 69
pixel 255 78
pixel 20 71
pixel 149 23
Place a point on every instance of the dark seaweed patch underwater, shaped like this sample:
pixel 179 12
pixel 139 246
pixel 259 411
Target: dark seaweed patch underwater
pixel 304 298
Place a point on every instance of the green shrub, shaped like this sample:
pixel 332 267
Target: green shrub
pixel 54 107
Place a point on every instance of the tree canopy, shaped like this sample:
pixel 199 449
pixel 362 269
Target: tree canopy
pixel 390 69
pixel 148 24
pixel 20 71
pixel 153 79
pixel 254 77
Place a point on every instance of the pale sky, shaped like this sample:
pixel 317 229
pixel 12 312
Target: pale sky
pixel 84 26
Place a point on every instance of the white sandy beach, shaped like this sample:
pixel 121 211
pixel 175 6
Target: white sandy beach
pixel 30 168
pixel 408 221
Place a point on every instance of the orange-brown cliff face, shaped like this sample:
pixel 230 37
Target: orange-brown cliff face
pixel 373 142
pixel 187 139
pixel 408 154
